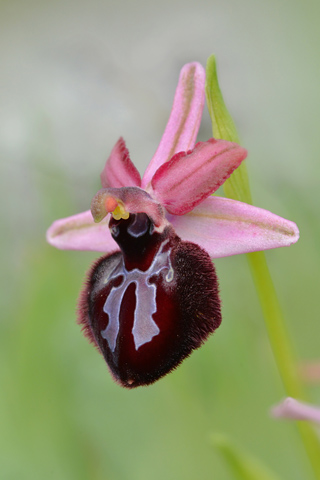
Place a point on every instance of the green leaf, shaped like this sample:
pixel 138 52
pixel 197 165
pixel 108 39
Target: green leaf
pixel 243 465
pixel 223 127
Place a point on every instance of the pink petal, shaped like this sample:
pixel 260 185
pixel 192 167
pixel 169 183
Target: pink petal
pixel 293 409
pixel 79 232
pixel 226 227
pixel 184 122
pixel 119 170
pixel 189 177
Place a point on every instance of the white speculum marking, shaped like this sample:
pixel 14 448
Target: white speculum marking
pixel 144 327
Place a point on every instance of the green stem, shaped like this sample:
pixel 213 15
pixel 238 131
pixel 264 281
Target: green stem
pixel 237 187
pixel 283 350
pixel 275 325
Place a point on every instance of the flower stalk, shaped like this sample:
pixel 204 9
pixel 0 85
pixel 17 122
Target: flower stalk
pixel 237 187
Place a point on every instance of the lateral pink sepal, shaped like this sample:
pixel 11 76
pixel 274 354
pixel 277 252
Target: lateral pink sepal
pixel 190 177
pixel 79 232
pixel 295 410
pixel 119 171
pixel 226 227
pixel 184 122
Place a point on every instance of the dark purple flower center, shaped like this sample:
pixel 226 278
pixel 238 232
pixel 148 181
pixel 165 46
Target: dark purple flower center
pixel 136 238
pixel 148 306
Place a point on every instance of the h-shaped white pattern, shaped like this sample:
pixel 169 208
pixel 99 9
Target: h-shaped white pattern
pixel 144 327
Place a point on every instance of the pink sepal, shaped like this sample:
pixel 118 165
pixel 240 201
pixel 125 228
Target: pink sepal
pixel 189 177
pixel 119 171
pixel 184 122
pixel 226 227
pixel 79 232
pixel 295 410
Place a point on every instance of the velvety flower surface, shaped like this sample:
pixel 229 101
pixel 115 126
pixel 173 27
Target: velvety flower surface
pixel 153 298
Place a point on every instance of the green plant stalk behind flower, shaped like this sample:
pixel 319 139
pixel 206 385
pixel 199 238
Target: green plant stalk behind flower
pixel 237 188
pixel 242 465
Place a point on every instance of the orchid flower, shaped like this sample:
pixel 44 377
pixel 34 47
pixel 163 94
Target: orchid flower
pixel 153 297
pixel 295 410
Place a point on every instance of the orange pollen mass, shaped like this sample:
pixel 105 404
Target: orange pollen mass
pixel 111 204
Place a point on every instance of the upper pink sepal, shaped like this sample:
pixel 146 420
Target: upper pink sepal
pixel 79 232
pixel 189 177
pixel 295 410
pixel 184 122
pixel 119 171
pixel 226 227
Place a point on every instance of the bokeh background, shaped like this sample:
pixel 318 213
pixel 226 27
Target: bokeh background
pixel 75 75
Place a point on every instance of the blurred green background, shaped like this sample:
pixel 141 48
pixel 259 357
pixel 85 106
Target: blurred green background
pixel 75 76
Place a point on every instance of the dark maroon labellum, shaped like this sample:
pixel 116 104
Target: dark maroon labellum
pixel 150 305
